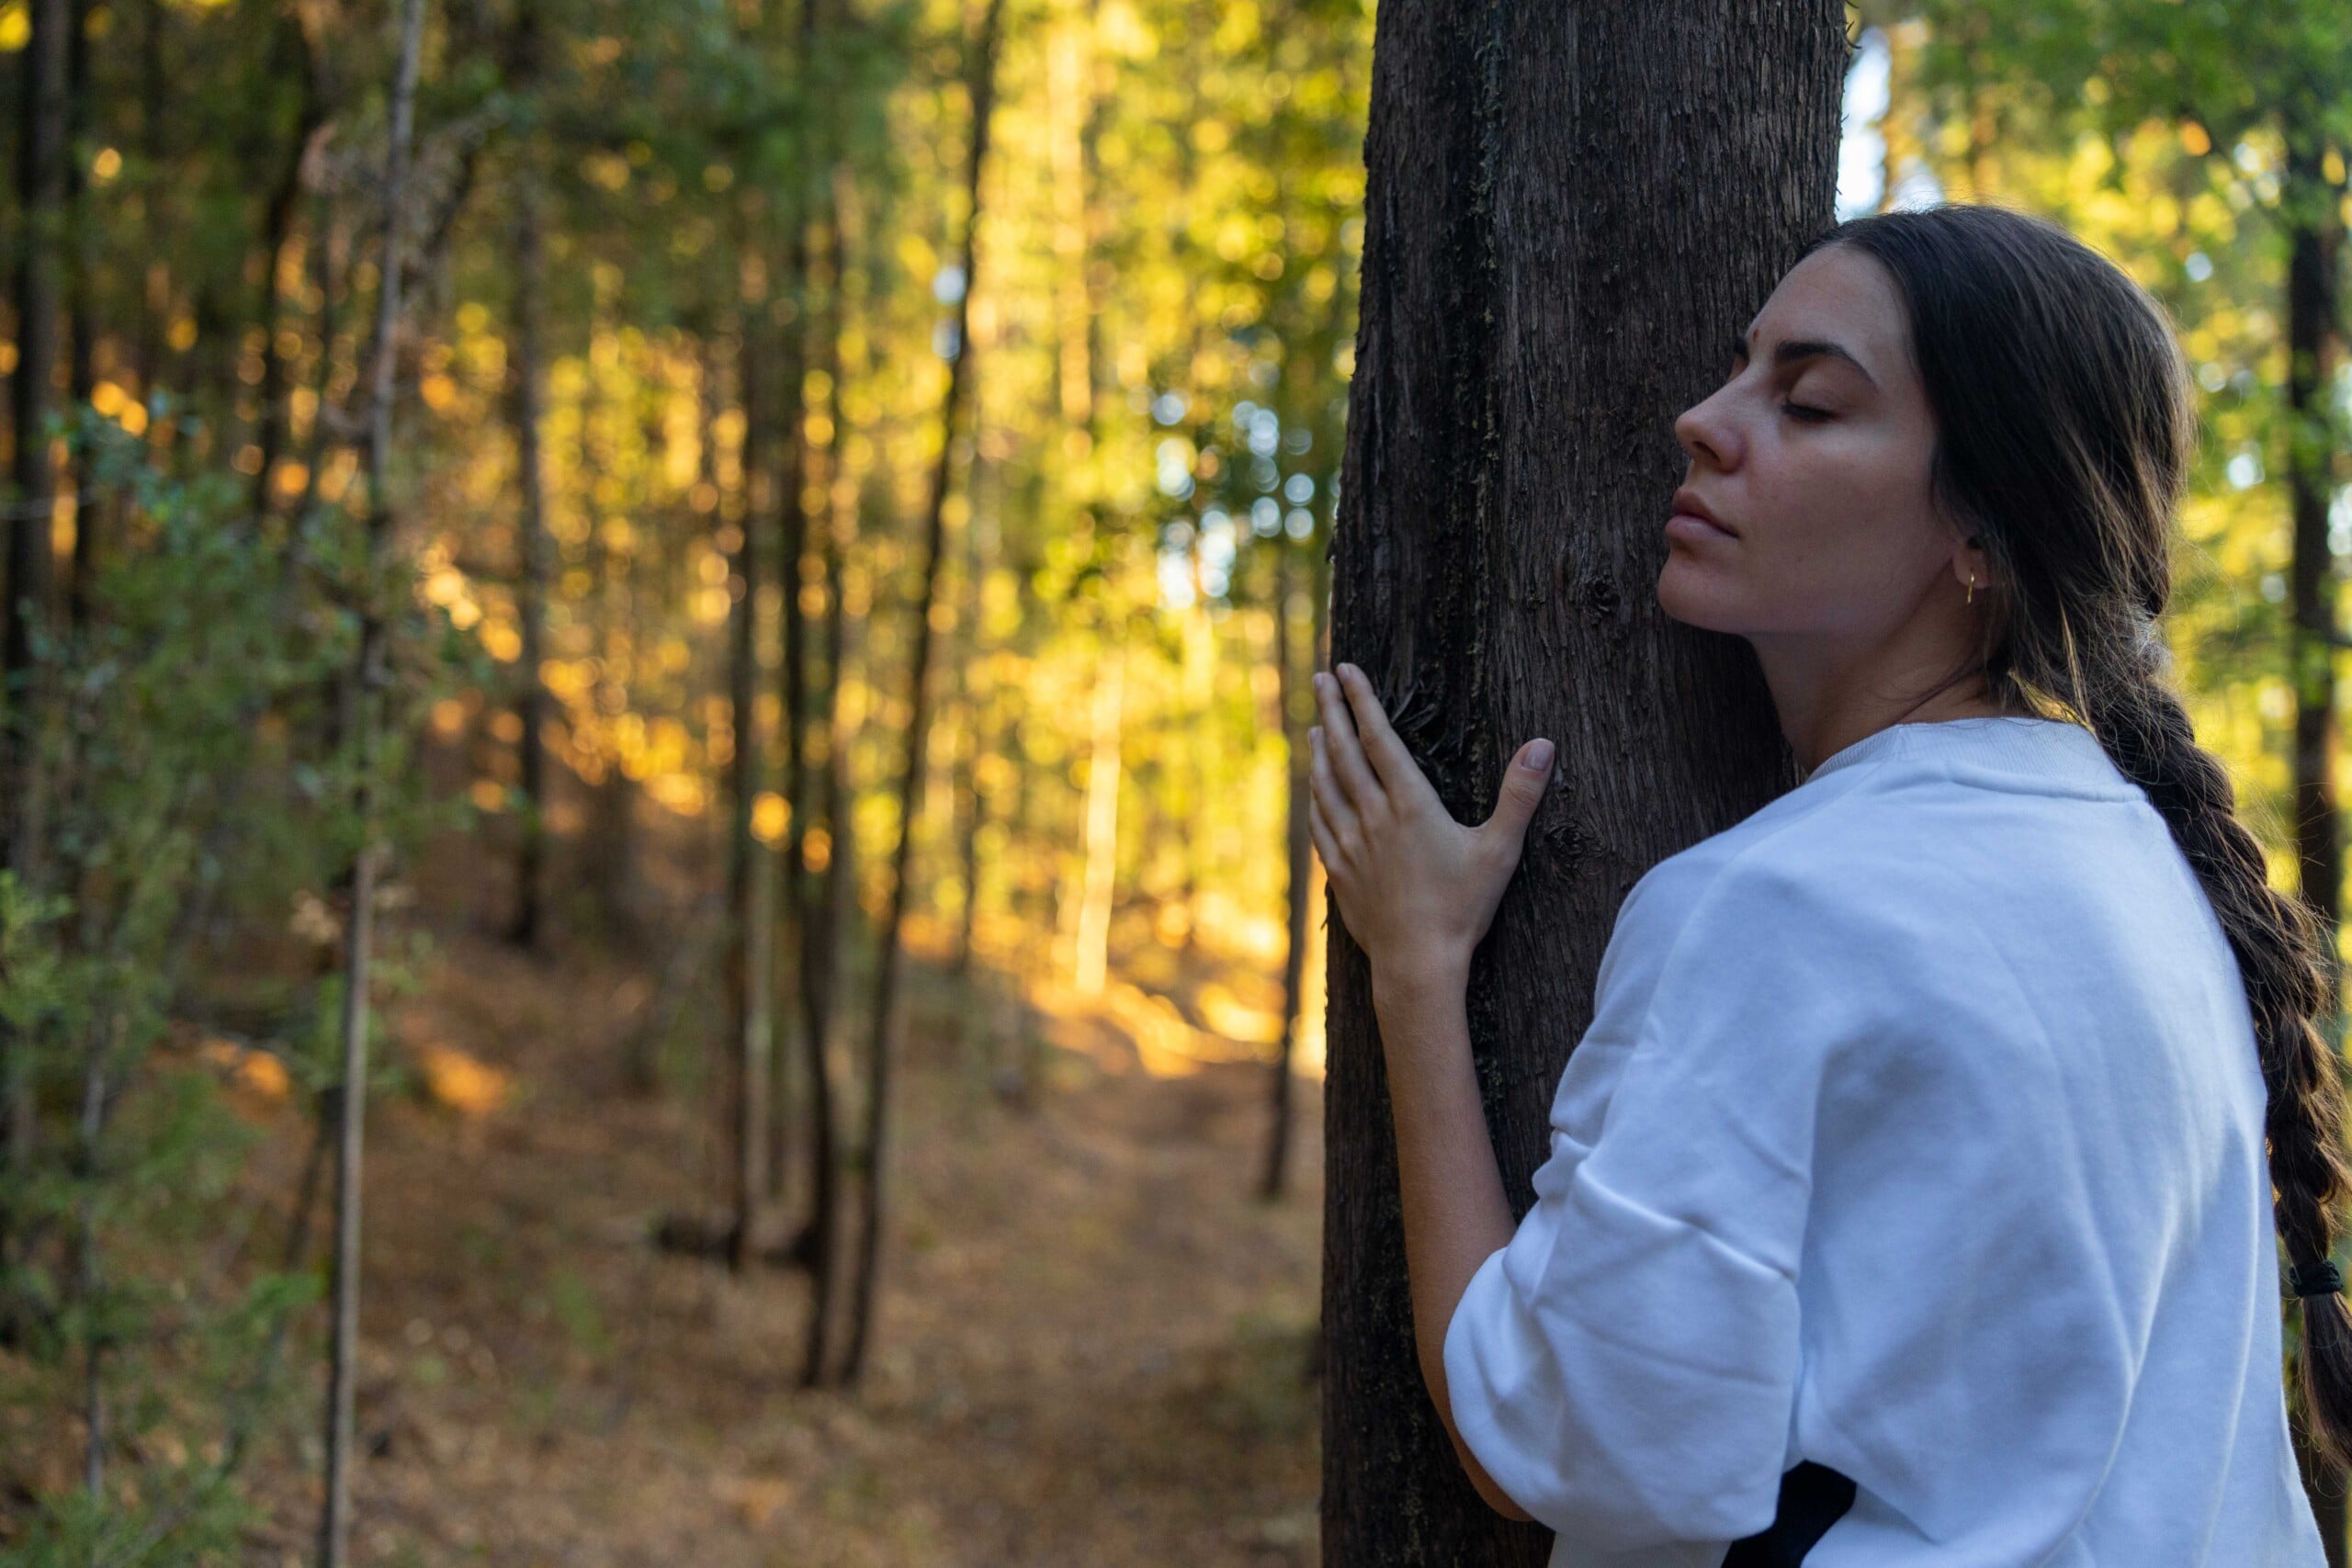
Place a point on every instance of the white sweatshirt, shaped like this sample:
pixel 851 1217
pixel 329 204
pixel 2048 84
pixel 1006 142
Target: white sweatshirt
pixel 1918 1134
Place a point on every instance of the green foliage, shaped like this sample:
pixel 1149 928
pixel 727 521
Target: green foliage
pixel 2189 142
pixel 191 794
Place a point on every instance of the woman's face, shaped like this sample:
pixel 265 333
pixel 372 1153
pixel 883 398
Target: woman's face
pixel 1811 463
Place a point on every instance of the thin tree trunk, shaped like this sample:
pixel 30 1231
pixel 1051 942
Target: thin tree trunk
pixel 81 379
pixel 1098 879
pixel 82 279
pixel 531 599
pixel 792 546
pixel 824 915
pixel 156 284
pixel 24 612
pixel 93 1346
pixel 748 906
pixel 1030 892
pixel 1519 358
pixel 24 616
pixel 2314 340
pixel 971 805
pixel 367 673
pixel 277 227
pixel 885 1018
pixel 329 257
pixel 1298 869
pixel 1194 795
pixel 792 674
pixel 971 808
pixel 611 852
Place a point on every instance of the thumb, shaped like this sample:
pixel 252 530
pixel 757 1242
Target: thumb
pixel 1524 781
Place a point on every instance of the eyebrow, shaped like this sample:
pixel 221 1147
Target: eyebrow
pixel 1790 350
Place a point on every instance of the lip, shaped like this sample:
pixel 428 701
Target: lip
pixel 1687 505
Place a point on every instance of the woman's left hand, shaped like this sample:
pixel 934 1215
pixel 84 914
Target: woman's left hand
pixel 1417 888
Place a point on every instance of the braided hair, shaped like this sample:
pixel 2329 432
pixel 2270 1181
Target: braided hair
pixel 2064 430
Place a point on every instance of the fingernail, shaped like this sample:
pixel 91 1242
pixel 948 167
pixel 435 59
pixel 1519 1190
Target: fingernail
pixel 1539 755
pixel 1350 669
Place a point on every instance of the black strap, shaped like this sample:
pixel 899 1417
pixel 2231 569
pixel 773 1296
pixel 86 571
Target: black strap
pixel 1813 1497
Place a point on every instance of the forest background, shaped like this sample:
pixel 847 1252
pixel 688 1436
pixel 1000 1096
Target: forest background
pixel 730 651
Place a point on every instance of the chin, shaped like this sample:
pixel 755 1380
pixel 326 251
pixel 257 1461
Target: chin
pixel 1688 592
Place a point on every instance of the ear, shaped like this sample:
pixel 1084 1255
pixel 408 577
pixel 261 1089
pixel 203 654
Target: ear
pixel 1969 560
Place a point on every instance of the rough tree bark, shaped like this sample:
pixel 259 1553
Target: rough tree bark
pixel 2311 205
pixel 1572 212
pixel 883 1045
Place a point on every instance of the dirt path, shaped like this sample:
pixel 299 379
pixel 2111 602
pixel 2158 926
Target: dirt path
pixel 1089 1351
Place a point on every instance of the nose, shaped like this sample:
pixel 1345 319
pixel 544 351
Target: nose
pixel 1707 434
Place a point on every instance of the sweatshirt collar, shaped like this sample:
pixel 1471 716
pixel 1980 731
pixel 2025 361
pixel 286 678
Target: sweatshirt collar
pixel 2057 751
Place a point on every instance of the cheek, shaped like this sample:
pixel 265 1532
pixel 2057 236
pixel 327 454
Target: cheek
pixel 1840 518
pixel 1838 535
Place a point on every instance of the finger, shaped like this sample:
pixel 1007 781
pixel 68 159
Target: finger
pixel 1325 788
pixel 1355 774
pixel 1386 753
pixel 1524 781
pixel 1320 831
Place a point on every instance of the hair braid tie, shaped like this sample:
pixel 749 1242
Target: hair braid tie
pixel 2319 1278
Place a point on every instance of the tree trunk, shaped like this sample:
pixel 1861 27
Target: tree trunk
pixel 748 906
pixel 792 674
pixel 971 803
pixel 1098 863
pixel 1298 852
pixel 531 596
pixel 885 1017
pixel 24 616
pixel 82 260
pixel 1520 356
pixel 610 846
pixel 24 611
pixel 825 912
pixel 90 1283
pixel 156 284
pixel 367 673
pixel 277 227
pixel 2314 334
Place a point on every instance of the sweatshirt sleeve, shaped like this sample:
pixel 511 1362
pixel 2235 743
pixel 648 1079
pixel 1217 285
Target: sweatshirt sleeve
pixel 1625 1367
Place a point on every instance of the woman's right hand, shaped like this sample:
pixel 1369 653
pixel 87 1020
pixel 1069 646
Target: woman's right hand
pixel 1417 888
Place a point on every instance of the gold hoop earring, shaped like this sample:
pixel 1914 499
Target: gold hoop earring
pixel 1971 589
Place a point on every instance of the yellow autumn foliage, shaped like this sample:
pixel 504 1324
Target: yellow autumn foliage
pixel 457 1081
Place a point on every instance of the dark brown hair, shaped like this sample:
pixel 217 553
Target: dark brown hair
pixel 2065 428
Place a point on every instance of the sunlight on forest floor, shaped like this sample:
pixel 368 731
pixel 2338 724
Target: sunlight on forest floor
pixel 1091 1346
pixel 1169 1007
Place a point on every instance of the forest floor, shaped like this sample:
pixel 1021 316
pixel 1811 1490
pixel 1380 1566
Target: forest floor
pixel 1091 1346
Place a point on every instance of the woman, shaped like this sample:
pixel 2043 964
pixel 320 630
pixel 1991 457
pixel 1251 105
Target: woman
pixel 1907 1200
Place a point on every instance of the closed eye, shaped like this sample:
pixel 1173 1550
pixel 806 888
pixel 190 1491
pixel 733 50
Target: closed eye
pixel 1806 413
